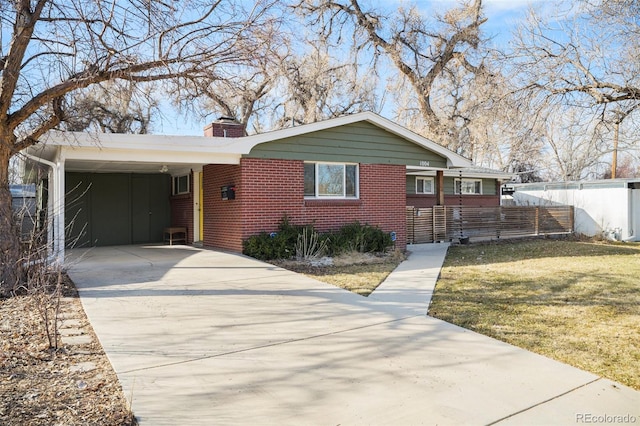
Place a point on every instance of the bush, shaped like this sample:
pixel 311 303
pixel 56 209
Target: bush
pixel 286 243
pixel 360 238
pixel 276 245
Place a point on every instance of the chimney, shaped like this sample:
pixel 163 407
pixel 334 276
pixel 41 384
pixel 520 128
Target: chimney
pixel 225 127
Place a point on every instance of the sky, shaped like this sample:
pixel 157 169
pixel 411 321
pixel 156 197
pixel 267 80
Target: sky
pixel 503 16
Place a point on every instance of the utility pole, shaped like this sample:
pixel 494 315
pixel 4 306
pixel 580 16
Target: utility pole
pixel 614 160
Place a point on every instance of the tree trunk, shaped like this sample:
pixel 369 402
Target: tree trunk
pixel 9 237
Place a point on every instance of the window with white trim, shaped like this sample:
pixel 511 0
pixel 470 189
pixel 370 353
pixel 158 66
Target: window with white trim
pixel 331 180
pixel 468 186
pixel 180 185
pixel 424 185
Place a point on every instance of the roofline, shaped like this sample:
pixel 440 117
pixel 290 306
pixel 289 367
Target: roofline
pixel 242 145
pixel 453 159
pixel 575 182
pixel 460 172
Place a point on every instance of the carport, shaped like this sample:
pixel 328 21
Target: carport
pixel 108 189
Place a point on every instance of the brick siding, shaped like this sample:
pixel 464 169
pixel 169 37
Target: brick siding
pixel 182 211
pixel 269 189
pixel 222 218
pixel 225 130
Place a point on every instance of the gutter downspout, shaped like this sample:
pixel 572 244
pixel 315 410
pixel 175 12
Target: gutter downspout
pixel 55 226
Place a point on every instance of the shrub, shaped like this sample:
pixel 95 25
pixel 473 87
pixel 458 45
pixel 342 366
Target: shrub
pixel 275 245
pixel 303 241
pixel 360 238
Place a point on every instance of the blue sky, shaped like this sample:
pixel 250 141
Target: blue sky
pixel 503 16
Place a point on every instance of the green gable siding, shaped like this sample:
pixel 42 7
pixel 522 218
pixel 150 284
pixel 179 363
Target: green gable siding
pixel 353 143
pixel 489 186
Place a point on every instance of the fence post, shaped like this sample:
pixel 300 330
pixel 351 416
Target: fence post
pixel 572 218
pixel 537 221
pixel 411 225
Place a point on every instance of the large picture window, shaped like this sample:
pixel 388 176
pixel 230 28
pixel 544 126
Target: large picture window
pixel 424 185
pixel 469 186
pixel 330 180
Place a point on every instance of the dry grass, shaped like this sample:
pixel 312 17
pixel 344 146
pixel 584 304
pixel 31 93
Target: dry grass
pixel 575 301
pixel 357 272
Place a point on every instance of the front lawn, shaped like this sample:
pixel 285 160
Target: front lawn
pixel 577 302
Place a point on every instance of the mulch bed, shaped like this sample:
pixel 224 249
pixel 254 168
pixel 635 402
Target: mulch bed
pixel 72 385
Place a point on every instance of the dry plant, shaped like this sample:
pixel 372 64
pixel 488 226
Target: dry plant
pixel 42 282
pixel 309 245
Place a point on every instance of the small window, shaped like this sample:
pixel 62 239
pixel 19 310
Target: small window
pixel 424 185
pixel 330 180
pixel 469 186
pixel 181 184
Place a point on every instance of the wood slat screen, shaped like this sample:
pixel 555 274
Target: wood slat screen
pixel 448 223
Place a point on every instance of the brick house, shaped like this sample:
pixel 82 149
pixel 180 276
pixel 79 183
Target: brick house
pixel 112 189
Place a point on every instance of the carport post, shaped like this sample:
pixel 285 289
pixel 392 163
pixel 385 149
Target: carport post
pixel 55 207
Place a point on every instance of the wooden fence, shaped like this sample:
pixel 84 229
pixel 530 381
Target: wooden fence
pixel 448 223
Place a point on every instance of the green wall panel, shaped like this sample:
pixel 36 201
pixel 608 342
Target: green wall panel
pixel 489 186
pixel 104 209
pixel 353 143
pixel 77 210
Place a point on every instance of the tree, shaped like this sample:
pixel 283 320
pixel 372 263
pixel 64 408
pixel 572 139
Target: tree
pixel 424 53
pixel 283 79
pixel 583 62
pixel 316 86
pixel 244 89
pixel 53 48
pixel 119 106
pixel 576 142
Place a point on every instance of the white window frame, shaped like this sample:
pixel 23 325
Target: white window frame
pixel 466 180
pixel 318 196
pixel 425 179
pixel 175 186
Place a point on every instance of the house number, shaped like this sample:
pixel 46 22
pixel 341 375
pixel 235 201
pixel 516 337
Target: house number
pixel 424 163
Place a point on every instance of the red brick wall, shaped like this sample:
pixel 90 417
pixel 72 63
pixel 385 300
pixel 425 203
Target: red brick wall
pixel 271 188
pixel 182 211
pixel 222 218
pixel 424 201
pixel 226 130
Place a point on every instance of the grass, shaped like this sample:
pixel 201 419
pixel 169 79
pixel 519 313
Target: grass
pixel 357 272
pixel 574 301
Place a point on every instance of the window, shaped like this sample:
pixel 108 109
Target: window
pixel 468 186
pixel 181 184
pixel 330 180
pixel 424 185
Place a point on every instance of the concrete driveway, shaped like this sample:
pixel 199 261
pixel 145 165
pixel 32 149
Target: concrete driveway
pixel 205 337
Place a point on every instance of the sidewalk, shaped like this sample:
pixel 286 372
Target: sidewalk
pixel 410 286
